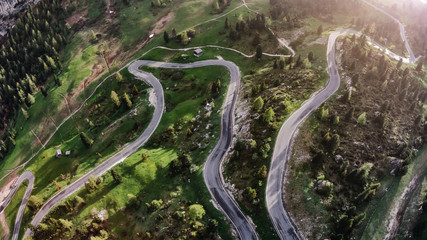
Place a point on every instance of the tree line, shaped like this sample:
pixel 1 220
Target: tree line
pixel 29 59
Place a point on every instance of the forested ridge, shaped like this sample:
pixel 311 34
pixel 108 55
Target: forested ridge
pixel 29 59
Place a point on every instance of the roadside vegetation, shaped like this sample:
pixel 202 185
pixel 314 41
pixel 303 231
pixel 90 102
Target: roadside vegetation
pixel 269 95
pixel 355 142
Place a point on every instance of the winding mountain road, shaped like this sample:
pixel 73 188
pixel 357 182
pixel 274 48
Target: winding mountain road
pixel 212 174
pixel 274 190
pixel 212 168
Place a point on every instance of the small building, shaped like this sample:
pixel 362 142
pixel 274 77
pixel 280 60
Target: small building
pixel 58 153
pixel 67 153
pixel 198 52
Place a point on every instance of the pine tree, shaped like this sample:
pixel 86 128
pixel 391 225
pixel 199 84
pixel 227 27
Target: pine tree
pixel 127 100
pixel 116 176
pixel 262 172
pixel 30 99
pixel 34 203
pixel 311 56
pixel 173 35
pixel 215 6
pixel 25 113
pixel 119 77
pixel 258 104
pixel 334 143
pixel 166 36
pixel 88 142
pixel 282 62
pixel 362 119
pixel 419 66
pixel 115 99
pixel 320 30
pixel 258 54
pixel 399 64
pixel 256 41
pixel 269 115
pixel 184 39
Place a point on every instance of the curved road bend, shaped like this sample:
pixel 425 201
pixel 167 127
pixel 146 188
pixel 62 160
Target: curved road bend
pixel 212 175
pixel 118 157
pixel 212 168
pixel 27 175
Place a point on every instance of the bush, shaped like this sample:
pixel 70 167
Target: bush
pixel 196 212
pixel 258 104
pixel 269 115
pixel 362 119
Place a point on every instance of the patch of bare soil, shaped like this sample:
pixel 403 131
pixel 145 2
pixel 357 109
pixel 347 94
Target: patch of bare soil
pixel 112 57
pixel 97 70
pixel 43 131
pixel 322 41
pixel 4 226
pixel 76 17
pixel 163 22
pixel 4 191
pixel 293 35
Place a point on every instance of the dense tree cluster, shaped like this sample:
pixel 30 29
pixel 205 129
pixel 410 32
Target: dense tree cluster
pixel 183 37
pixel 29 57
pixel 246 27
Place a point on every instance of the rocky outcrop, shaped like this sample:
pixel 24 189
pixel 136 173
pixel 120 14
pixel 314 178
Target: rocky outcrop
pixel 8 10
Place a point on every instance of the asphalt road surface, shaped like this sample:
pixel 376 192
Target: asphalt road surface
pixel 27 175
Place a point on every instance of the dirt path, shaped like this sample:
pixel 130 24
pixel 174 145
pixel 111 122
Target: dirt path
pixel 163 22
pixel 4 226
pixel 5 189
